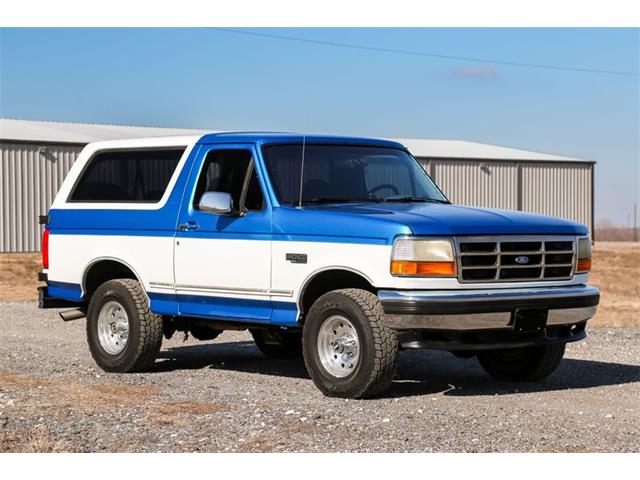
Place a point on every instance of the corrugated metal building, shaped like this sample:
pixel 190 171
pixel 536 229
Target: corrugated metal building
pixel 497 177
pixel 36 156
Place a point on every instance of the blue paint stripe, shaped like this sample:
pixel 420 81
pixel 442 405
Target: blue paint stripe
pixel 66 291
pixel 123 233
pixel 225 308
pixel 207 307
pixel 332 239
pixel 224 236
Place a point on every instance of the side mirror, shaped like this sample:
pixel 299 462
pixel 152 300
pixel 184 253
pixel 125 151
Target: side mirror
pixel 216 202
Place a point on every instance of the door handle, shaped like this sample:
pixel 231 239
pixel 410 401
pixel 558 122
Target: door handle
pixel 189 226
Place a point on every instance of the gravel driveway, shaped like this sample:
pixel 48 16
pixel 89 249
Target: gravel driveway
pixel 225 396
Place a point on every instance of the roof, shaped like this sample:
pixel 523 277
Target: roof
pixel 82 133
pixel 266 138
pixel 464 149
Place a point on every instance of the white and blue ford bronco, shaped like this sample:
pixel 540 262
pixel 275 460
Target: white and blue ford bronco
pixel 340 250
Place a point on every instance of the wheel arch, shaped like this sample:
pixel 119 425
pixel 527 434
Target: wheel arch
pixel 102 269
pixel 324 280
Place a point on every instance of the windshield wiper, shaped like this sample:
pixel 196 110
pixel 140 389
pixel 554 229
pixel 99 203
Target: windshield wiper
pixel 405 198
pixel 319 200
pixel 409 198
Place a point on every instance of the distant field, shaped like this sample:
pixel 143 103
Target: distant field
pixel 19 276
pixel 616 271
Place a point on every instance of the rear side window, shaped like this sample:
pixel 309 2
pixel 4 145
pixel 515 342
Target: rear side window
pixel 127 176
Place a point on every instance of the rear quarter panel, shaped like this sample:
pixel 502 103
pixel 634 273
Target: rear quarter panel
pixel 139 235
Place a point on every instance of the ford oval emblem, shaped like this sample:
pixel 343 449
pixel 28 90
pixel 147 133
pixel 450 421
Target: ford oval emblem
pixel 522 260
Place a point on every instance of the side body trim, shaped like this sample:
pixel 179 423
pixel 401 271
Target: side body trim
pixel 225 308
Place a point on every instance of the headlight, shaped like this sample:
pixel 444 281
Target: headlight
pixel 584 255
pixel 414 257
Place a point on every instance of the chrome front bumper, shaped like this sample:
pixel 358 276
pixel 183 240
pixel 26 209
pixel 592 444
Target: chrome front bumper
pixel 495 309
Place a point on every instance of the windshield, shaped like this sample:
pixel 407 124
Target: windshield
pixel 344 173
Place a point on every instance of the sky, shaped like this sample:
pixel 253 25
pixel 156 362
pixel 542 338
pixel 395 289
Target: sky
pixel 403 84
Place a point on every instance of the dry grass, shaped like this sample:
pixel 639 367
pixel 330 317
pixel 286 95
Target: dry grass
pixel 63 399
pixel 178 414
pixel 47 394
pixel 19 276
pixel 283 436
pixel 33 440
pixel 616 271
pixel 63 392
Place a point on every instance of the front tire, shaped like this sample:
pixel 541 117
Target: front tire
pixel 348 350
pixel 123 334
pixel 529 364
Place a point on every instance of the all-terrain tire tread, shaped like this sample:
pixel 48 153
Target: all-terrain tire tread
pixel 385 342
pixel 150 327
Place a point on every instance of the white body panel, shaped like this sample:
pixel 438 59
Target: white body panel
pixel 370 261
pixel 220 266
pixel 150 258
pixel 240 268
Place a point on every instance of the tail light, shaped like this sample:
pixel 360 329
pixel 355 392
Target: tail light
pixel 45 249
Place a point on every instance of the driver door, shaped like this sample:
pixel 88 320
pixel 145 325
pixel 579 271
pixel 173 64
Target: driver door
pixel 223 261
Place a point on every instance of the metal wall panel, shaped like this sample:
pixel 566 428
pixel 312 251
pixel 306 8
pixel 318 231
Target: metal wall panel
pixel 30 176
pixel 558 189
pixel 425 163
pixel 478 183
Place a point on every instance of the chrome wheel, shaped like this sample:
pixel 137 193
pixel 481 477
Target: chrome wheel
pixel 113 327
pixel 338 346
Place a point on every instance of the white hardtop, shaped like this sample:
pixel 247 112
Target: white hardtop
pixel 186 141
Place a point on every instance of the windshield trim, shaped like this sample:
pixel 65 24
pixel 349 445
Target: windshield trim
pixel 435 184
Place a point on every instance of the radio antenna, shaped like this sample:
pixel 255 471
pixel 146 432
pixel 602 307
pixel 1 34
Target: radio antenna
pixel 304 143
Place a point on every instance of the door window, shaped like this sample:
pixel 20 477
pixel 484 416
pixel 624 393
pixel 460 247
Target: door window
pixel 232 172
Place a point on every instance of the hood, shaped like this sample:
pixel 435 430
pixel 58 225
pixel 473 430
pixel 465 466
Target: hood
pixel 441 219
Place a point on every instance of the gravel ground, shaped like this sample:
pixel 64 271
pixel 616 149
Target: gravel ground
pixel 225 396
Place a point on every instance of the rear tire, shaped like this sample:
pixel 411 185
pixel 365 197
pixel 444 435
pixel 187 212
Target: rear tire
pixel 348 350
pixel 278 344
pixel 529 364
pixel 123 334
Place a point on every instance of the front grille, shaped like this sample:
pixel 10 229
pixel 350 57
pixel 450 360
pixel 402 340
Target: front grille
pixel 512 259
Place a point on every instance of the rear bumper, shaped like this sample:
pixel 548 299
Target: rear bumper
pixel 484 319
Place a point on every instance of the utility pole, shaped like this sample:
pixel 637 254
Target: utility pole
pixel 635 222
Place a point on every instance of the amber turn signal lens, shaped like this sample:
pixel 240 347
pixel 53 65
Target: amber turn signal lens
pixel 584 265
pixel 423 268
